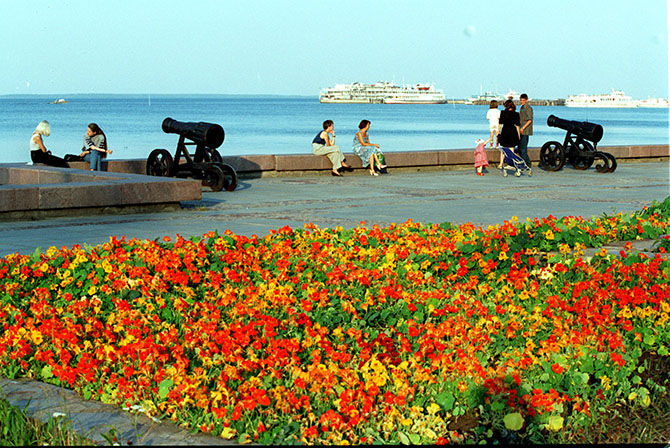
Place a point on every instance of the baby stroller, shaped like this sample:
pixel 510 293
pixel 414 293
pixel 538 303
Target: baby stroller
pixel 514 162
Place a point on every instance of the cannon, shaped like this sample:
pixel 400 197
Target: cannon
pixel 206 164
pixel 578 148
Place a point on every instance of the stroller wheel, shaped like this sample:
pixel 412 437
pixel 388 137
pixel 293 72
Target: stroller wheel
pixel 517 173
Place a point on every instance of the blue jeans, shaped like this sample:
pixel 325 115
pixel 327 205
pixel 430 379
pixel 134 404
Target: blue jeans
pixel 95 159
pixel 523 149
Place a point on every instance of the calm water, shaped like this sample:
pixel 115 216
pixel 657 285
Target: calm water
pixel 286 125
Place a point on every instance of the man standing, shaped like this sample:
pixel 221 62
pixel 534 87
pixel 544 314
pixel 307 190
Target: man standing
pixel 526 115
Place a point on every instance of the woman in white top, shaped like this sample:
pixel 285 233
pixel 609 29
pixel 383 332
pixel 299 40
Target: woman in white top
pixel 493 116
pixel 39 152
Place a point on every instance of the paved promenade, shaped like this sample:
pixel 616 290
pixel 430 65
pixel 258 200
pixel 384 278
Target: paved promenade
pixel 259 205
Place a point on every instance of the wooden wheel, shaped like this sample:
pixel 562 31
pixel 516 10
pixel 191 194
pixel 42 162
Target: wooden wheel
pixel 552 156
pixel 160 163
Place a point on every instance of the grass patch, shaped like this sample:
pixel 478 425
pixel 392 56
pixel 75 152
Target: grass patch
pixel 17 429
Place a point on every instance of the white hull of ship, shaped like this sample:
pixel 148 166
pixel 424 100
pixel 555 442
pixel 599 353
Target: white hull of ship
pixel 401 101
pixel 382 93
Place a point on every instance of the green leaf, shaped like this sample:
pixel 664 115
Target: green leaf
pixel 555 423
pixel 46 372
pixel 513 421
pixel 415 439
pixel 446 400
pixel 164 387
pixel 403 438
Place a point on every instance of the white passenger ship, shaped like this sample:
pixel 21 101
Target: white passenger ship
pixel 382 92
pixel 616 98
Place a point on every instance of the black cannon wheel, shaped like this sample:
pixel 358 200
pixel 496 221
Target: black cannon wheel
pixel 160 163
pixel 581 155
pixel 613 162
pixel 229 177
pixel 212 155
pixel 552 156
pixel 605 166
pixel 212 177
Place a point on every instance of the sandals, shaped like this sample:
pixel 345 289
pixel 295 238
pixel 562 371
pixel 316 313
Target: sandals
pixel 373 173
pixel 335 173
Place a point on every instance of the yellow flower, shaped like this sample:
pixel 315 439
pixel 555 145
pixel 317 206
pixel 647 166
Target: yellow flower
pixel 549 234
pixel 606 382
pixel 228 433
pixel 36 337
pixel 406 421
pixel 433 408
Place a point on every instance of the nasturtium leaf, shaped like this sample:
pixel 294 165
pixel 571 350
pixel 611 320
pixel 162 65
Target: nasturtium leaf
pixel 164 387
pixel 446 400
pixel 46 372
pixel 513 421
pixel 555 423
pixel 403 438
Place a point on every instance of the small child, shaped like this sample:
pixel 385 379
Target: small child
pixel 493 116
pixel 481 160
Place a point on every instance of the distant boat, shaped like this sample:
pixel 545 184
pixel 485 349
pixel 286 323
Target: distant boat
pixel 654 102
pixel 58 101
pixel 616 98
pixel 382 93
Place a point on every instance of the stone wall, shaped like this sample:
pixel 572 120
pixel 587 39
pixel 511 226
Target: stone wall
pixel 290 164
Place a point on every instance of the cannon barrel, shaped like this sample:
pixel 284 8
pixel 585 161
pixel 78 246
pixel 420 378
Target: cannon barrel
pixel 589 131
pixel 209 134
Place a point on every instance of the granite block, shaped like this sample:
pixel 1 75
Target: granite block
pixel 417 158
pixel 619 152
pixel 19 197
pixel 640 151
pixel 459 157
pixel 302 162
pixel 253 163
pixel 659 151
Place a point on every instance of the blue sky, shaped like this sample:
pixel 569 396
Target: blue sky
pixel 547 48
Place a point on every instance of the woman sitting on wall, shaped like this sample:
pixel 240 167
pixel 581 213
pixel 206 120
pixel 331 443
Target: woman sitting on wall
pixel 39 152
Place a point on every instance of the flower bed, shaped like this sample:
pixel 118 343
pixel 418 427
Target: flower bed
pixel 404 334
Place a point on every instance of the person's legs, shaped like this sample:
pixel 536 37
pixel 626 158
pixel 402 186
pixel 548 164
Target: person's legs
pixel 332 152
pixel 523 149
pixel 96 158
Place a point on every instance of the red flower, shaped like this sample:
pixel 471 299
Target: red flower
pixel 557 368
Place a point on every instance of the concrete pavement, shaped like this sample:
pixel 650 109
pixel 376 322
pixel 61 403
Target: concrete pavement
pixel 261 204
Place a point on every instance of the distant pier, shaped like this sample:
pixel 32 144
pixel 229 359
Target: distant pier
pixel 532 102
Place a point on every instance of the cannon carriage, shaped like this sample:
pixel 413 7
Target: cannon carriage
pixel 578 148
pixel 206 164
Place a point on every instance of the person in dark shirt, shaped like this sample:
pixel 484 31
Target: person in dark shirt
pixel 508 133
pixel 324 145
pixel 526 118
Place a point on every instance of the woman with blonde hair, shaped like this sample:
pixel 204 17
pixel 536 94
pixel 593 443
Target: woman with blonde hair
pixel 39 152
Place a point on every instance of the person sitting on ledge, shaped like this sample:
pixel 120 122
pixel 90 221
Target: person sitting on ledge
pixel 95 146
pixel 368 152
pixel 324 145
pixel 39 153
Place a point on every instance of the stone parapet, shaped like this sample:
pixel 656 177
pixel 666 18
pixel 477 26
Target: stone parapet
pixel 287 164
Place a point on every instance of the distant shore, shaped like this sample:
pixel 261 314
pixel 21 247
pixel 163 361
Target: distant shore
pixel 534 102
